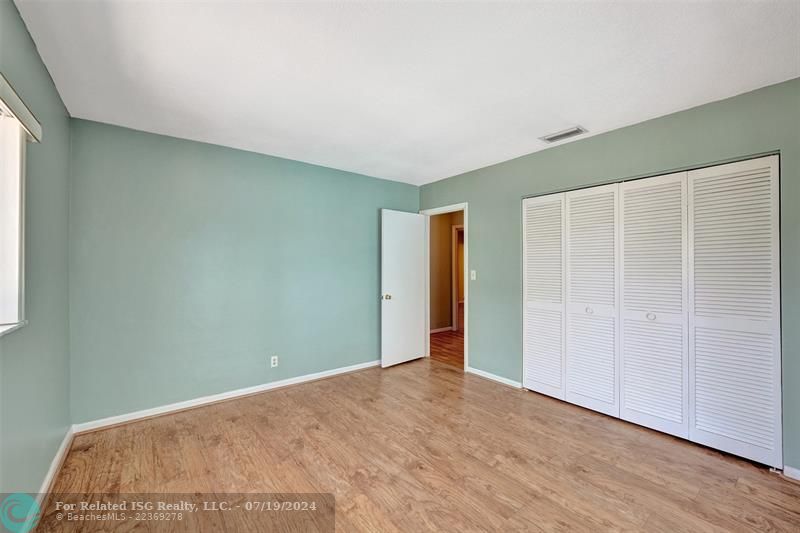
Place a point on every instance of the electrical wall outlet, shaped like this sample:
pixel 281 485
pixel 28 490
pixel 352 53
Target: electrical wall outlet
pixel 273 361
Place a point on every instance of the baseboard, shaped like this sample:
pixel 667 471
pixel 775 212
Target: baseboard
pixel 55 465
pixel 791 472
pixel 214 398
pixel 440 330
pixel 493 377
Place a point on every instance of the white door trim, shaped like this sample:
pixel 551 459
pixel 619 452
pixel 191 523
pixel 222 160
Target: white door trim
pixel 441 211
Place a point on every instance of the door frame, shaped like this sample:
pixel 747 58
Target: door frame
pixel 452 208
pixel 455 228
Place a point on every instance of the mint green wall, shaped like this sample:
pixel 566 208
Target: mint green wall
pixel 191 264
pixel 761 121
pixel 34 360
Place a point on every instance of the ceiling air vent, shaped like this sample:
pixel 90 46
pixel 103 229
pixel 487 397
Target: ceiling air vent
pixel 565 134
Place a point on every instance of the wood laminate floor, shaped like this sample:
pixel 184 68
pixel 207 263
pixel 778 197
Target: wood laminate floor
pixel 448 346
pixel 423 446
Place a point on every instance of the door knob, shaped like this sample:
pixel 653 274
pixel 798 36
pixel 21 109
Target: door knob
pixel 387 296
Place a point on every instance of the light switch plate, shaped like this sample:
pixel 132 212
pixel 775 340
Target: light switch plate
pixel 473 275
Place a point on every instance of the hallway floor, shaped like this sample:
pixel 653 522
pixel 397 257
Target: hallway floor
pixel 448 346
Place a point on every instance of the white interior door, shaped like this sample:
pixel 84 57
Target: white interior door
pixel 402 286
pixel 654 375
pixel 734 300
pixel 592 340
pixel 543 294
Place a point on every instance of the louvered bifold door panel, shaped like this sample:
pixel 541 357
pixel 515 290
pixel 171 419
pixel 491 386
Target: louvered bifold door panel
pixel 592 326
pixel 654 375
pixel 734 299
pixel 543 294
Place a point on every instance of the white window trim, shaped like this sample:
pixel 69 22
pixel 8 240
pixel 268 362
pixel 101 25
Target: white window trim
pixel 13 326
pixel 14 104
pixel 11 104
pixel 5 330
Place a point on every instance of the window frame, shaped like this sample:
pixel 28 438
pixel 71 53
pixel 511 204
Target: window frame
pixel 13 106
pixel 5 111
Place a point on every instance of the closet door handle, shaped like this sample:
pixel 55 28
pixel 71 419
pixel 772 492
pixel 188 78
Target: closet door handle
pixel 650 316
pixel 589 310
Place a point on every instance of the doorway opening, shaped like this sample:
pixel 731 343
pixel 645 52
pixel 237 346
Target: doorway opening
pixel 447 285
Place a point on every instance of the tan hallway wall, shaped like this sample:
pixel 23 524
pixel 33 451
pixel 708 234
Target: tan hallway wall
pixel 441 268
pixel 460 255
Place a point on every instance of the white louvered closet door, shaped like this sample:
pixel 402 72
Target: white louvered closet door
pixel 734 336
pixel 543 300
pixel 592 327
pixel 654 375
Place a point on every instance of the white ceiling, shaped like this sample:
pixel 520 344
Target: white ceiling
pixel 407 91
